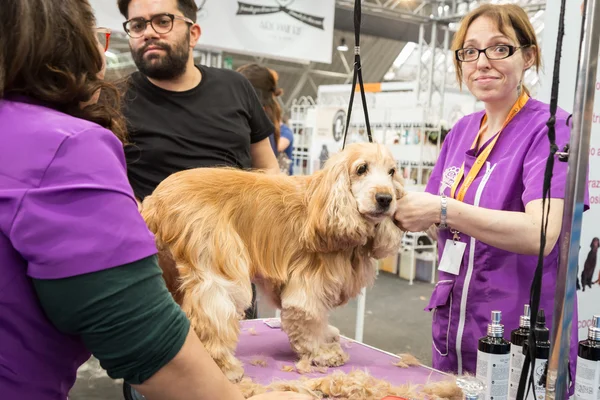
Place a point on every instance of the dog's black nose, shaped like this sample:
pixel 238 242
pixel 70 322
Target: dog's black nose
pixel 383 199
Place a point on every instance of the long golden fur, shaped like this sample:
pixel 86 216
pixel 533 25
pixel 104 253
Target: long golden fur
pixel 309 242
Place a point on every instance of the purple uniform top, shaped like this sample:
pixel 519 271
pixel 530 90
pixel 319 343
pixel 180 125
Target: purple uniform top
pixel 66 209
pixel 489 278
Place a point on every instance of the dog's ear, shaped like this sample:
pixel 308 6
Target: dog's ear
pixel 333 222
pixel 398 182
pixel 387 240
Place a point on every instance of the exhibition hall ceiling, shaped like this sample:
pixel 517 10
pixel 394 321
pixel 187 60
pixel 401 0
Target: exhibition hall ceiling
pixel 389 45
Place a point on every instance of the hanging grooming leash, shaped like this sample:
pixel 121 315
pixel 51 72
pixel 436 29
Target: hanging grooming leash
pixel 527 375
pixel 357 75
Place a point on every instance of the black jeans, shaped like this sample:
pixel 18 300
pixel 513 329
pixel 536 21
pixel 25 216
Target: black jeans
pixel 252 312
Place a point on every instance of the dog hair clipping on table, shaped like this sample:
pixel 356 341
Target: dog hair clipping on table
pixel 304 366
pixel 407 360
pixel 357 385
pixel 252 331
pixel 288 368
pixel 259 362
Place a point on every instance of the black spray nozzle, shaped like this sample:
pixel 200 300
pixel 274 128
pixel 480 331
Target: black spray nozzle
pixel 542 333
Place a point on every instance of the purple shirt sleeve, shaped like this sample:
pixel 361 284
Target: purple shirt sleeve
pixel 534 165
pixel 83 216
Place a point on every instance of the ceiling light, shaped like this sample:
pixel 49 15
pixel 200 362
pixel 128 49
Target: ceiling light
pixel 342 46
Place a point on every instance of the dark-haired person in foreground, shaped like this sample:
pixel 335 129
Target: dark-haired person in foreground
pixel 78 270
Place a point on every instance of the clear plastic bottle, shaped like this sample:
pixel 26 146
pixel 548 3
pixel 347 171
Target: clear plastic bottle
pixel 472 387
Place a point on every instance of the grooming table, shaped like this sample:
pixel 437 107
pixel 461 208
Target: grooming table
pixel 258 341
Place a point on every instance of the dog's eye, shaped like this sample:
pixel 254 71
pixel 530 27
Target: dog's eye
pixel 362 169
pixel 392 171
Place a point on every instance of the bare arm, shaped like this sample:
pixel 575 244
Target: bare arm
pixel 283 144
pixel 263 157
pixel 191 375
pixel 518 232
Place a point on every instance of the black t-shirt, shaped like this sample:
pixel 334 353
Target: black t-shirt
pixel 210 125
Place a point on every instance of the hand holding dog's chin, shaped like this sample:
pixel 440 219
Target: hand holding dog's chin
pixel 281 396
pixel 417 211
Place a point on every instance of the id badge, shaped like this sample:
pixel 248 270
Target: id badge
pixel 452 257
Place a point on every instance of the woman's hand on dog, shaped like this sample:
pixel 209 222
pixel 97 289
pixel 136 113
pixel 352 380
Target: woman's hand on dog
pixel 417 211
pixel 282 396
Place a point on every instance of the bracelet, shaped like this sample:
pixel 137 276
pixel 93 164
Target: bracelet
pixel 443 215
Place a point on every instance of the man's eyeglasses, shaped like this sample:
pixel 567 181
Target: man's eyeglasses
pixel 496 52
pixel 161 23
pixel 103 36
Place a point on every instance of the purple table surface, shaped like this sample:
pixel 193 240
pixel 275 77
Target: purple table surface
pixel 272 346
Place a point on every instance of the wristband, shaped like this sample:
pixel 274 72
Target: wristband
pixel 443 212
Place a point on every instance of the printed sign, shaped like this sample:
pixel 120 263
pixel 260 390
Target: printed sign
pixel 298 30
pixel 295 30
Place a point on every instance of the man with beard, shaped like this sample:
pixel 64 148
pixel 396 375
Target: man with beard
pixel 181 115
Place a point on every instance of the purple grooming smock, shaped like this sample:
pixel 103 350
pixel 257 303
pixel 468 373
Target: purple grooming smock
pixel 489 278
pixel 66 209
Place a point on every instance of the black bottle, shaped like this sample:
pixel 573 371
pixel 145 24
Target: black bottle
pixel 493 359
pixel 542 353
pixel 587 380
pixel 517 338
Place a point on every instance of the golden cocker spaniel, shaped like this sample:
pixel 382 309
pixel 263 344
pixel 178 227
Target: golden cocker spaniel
pixel 309 242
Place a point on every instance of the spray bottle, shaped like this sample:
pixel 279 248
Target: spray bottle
pixel 542 353
pixel 493 360
pixel 517 358
pixel 587 379
pixel 471 387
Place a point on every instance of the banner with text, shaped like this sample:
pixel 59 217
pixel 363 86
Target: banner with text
pixel 295 30
pixel 588 292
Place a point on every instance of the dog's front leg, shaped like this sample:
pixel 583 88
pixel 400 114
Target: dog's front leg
pixel 304 319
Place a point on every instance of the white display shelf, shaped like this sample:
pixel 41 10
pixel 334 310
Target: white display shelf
pixel 412 251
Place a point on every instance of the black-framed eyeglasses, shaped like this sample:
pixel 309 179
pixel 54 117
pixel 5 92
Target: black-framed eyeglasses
pixel 496 52
pixel 161 23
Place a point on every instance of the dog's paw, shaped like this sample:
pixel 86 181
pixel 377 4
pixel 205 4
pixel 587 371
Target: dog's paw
pixel 332 334
pixel 232 368
pixel 330 355
pixel 235 373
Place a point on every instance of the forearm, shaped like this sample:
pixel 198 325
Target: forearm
pixel 267 164
pixel 191 375
pixel 263 157
pixel 129 321
pixel 517 232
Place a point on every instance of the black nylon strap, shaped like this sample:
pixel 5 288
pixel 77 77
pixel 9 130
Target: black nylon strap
pixel 357 76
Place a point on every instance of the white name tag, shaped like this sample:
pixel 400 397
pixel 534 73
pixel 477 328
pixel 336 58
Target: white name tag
pixel 452 257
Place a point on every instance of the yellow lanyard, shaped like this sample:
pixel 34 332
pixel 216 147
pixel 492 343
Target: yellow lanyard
pixel 483 156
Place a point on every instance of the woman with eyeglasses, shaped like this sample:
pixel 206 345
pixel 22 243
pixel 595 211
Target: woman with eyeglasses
pixel 484 197
pixel 78 270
